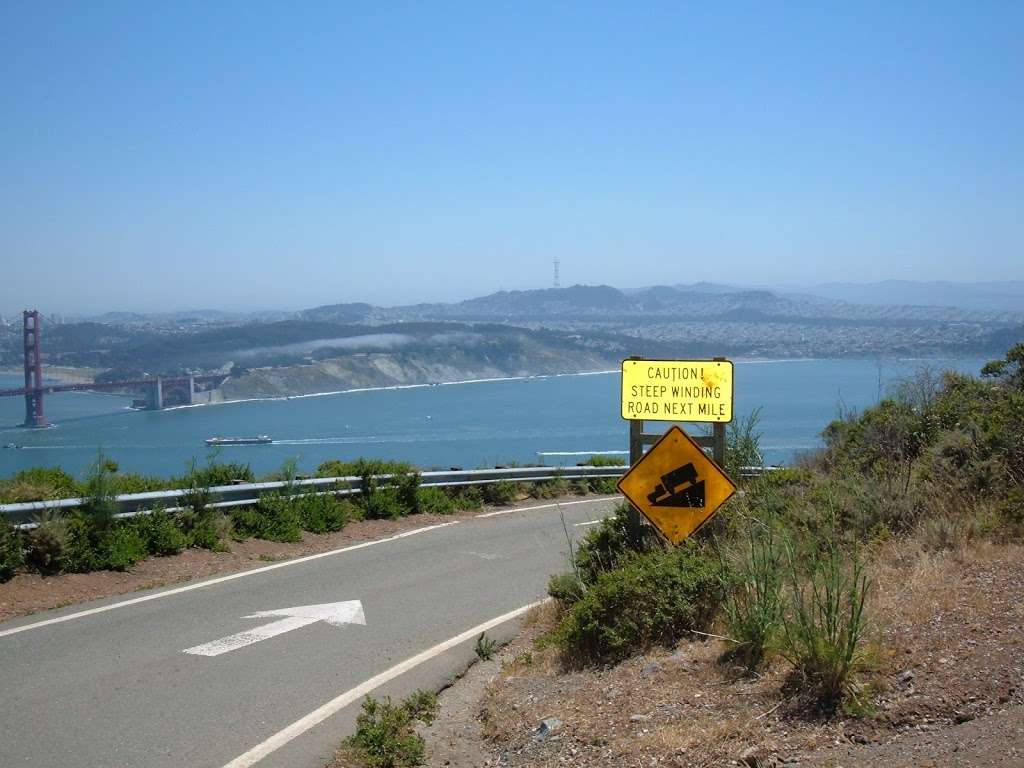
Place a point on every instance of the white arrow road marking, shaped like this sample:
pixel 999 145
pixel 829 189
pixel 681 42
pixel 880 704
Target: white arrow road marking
pixel 353 695
pixel 335 614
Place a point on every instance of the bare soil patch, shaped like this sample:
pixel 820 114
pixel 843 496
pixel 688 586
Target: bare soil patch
pixel 947 687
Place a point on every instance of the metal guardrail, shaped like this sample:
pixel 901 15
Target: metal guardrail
pixel 246 494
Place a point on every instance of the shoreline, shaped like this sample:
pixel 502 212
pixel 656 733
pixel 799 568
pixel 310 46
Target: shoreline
pixel 74 375
pixel 391 387
pixel 458 382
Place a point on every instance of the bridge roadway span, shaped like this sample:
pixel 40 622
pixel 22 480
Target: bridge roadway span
pixel 108 683
pixel 97 386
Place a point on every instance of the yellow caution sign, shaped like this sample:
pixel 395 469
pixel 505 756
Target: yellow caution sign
pixel 676 486
pixel 677 390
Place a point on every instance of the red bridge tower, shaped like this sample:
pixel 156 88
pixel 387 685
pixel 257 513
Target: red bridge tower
pixel 33 371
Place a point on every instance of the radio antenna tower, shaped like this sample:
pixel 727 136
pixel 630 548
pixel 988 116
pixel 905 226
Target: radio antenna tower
pixel 556 283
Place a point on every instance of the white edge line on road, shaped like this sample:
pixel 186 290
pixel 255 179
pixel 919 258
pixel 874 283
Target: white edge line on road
pixel 589 522
pixel 218 580
pixel 338 703
pixel 544 506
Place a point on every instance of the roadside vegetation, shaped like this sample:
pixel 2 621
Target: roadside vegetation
pixel 92 537
pixel 385 735
pixel 786 575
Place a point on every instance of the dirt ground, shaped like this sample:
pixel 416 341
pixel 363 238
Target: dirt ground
pixel 946 688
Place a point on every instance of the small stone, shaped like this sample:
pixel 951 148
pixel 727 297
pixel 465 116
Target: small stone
pixel 962 717
pixel 639 718
pixel 651 668
pixel 547 726
pixel 907 677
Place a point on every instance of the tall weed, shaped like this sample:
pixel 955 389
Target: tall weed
pixel 824 626
pixel 753 602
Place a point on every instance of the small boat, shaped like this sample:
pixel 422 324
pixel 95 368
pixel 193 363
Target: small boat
pixel 257 440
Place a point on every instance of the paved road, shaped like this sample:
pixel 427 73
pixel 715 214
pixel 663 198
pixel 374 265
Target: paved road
pixel 115 688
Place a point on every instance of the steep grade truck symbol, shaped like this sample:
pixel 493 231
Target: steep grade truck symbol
pixel 678 488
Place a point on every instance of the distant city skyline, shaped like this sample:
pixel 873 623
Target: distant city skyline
pixel 242 157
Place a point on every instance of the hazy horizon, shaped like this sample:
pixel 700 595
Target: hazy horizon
pixel 987 289
pixel 236 158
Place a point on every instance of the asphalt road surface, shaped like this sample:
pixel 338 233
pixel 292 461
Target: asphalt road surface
pixel 109 683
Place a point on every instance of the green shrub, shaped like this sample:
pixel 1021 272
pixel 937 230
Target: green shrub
pixel 382 504
pixel 579 486
pixel 550 489
pixel 1010 369
pixel 122 548
pixel 214 474
pixel 11 552
pixel 45 544
pixel 824 626
pixel 39 484
pixel 388 488
pixel 99 502
pixel 785 477
pixel 204 526
pixel 323 512
pixel 384 736
pixel 501 492
pixel 604 461
pixel 605 547
pixel 94 538
pixel 92 546
pixel 80 553
pixel 133 483
pixel 433 501
pixel 160 533
pixel 753 601
pixel 654 599
pixel 1010 512
pixel 566 588
pixel 274 518
pixel 604 485
pixel 485 647
pixel 468 497
pixel 208 531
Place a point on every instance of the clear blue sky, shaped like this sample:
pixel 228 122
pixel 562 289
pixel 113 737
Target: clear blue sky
pixel 256 154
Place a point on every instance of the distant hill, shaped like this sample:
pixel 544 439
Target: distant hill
pixel 985 296
pixel 339 313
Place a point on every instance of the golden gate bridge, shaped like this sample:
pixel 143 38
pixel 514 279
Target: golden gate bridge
pixel 153 386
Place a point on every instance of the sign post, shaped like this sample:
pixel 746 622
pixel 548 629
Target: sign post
pixel 675 390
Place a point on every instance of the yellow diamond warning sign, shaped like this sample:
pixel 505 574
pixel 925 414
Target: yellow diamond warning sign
pixel 677 390
pixel 676 486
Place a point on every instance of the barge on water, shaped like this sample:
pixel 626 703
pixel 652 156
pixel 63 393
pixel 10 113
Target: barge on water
pixel 257 440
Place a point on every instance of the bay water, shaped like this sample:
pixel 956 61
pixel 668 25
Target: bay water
pixel 554 420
